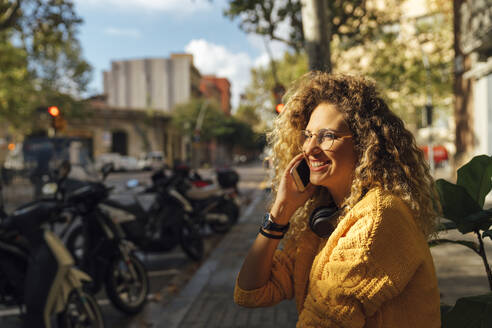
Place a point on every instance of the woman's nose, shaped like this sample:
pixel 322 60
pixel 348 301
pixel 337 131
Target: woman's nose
pixel 312 146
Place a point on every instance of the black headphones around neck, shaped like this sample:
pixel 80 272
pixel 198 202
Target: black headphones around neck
pixel 321 220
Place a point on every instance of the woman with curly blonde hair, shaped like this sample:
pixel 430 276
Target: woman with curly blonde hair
pixel 355 252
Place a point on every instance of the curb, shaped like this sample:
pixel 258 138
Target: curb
pixel 174 312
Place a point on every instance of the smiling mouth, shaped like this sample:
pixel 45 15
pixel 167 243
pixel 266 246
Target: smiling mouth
pixel 318 164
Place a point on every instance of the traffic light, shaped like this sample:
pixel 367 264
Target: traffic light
pixel 57 121
pixel 278 92
pixel 54 111
pixel 279 108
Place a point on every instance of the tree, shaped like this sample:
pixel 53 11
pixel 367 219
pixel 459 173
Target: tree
pixel 392 56
pixel 16 83
pixel 353 21
pixel 39 37
pixel 227 130
pixel 258 94
pixel 395 59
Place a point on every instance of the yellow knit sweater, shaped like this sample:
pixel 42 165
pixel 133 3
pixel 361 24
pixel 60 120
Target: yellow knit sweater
pixel 375 270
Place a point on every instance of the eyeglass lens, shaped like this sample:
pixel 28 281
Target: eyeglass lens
pixel 324 139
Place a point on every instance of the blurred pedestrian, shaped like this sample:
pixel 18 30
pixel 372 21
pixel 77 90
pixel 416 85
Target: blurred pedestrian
pixel 355 250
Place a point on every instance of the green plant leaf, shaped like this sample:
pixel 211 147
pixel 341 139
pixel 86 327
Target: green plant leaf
pixel 470 312
pixel 470 244
pixel 444 226
pixel 481 220
pixel 475 176
pixel 456 204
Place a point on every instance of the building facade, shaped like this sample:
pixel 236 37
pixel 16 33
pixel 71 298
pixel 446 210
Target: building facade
pixel 151 83
pixel 217 88
pixel 473 77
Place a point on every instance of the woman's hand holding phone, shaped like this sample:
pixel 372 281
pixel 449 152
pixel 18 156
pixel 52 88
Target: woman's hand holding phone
pixel 289 197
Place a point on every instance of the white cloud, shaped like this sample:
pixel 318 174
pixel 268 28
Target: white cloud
pixel 215 59
pixel 182 6
pixel 125 32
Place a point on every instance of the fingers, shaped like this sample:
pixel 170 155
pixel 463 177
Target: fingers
pixel 294 161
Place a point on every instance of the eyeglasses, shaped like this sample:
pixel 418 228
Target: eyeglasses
pixel 324 138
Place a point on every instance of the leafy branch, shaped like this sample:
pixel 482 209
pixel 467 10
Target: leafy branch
pixel 462 203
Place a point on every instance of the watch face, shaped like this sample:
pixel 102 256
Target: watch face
pixel 266 221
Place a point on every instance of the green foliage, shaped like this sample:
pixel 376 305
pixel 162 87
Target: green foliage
pixel 475 177
pixel 228 130
pixel 470 312
pixel 40 60
pixel 462 203
pixel 263 17
pixel 457 204
pixel 350 20
pixel 375 43
pixel 16 84
pixel 395 59
pixel 247 113
pixel 259 93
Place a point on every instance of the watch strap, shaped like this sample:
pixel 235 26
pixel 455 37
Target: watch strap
pixel 269 224
pixel 269 235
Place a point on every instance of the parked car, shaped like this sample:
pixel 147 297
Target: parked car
pixel 128 163
pixel 151 161
pixel 105 158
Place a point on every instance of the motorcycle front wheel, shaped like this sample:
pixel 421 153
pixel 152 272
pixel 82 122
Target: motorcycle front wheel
pixel 75 244
pixel 191 240
pixel 127 284
pixel 81 310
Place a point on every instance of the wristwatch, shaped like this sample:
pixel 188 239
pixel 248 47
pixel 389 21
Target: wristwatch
pixel 269 224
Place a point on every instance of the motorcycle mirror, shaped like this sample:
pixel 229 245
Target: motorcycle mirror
pixel 132 183
pixel 106 169
pixel 49 189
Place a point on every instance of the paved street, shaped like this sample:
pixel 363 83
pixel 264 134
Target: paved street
pixel 168 272
pixel 185 294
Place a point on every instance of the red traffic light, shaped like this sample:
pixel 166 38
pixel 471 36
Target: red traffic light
pixel 53 111
pixel 279 108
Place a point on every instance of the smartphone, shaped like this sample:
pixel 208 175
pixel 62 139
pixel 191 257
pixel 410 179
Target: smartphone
pixel 300 174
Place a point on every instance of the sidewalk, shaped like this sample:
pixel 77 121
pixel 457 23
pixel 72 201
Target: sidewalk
pixel 207 300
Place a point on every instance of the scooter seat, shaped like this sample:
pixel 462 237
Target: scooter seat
pixel 198 193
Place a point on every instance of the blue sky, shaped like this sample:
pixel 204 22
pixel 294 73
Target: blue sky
pixel 125 29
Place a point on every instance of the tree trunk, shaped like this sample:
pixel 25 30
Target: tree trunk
pixel 317 34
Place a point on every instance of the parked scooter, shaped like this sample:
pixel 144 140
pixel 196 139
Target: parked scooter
pixel 226 182
pixel 100 248
pixel 37 272
pixel 206 205
pixel 164 224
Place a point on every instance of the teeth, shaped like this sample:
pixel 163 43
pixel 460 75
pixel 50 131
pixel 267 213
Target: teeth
pixel 317 164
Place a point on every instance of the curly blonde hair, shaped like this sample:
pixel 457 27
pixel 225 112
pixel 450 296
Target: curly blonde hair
pixel 387 154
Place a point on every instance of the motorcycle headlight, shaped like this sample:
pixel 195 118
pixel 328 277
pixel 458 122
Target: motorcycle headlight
pixel 49 188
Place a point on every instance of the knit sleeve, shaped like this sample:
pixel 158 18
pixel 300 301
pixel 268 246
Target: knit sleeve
pixel 280 286
pixel 370 263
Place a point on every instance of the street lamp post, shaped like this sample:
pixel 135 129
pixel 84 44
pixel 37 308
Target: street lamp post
pixel 196 133
pixel 429 110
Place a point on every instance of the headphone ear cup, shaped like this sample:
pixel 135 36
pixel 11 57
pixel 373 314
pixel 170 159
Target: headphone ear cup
pixel 321 219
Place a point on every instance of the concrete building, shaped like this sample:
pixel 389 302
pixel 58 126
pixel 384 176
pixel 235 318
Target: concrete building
pixel 151 83
pixel 473 77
